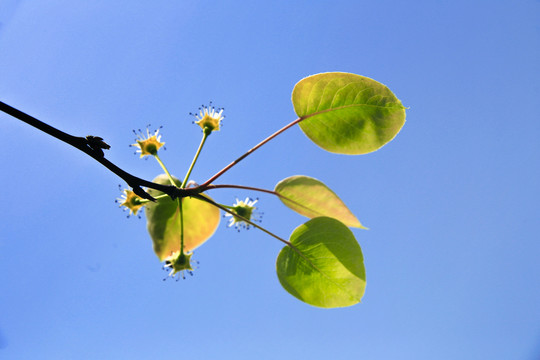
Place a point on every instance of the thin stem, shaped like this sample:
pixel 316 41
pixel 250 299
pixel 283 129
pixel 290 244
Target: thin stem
pixel 282 197
pixel 181 225
pixel 243 219
pixel 227 206
pixel 205 135
pixel 288 243
pixel 162 196
pixel 227 186
pixel 165 169
pixel 226 168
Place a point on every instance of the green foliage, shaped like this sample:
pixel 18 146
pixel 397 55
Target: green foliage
pixel 322 264
pixel 347 113
pixel 310 197
pixel 163 221
pixel 326 266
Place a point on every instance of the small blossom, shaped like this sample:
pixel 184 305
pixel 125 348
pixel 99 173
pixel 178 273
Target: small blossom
pixel 245 209
pixel 130 201
pixel 178 262
pixel 209 118
pixel 149 144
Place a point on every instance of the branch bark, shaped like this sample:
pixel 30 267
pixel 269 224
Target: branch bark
pixel 93 146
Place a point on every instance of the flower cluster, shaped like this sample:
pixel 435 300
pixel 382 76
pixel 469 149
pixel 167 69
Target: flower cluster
pixel 242 214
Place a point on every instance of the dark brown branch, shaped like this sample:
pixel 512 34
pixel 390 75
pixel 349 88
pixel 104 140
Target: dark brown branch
pixel 93 146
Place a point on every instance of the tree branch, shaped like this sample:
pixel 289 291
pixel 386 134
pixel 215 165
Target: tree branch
pixel 93 146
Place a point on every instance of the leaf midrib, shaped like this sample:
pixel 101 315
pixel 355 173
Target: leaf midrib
pixel 347 106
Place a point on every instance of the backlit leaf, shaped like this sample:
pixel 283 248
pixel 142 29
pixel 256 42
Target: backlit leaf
pixel 326 268
pixel 347 113
pixel 310 197
pixel 163 221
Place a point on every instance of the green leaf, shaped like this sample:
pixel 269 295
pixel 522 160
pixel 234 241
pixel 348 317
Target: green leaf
pixel 326 267
pixel 347 113
pixel 163 221
pixel 310 197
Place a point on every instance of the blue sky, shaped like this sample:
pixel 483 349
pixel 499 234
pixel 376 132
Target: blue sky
pixel 452 203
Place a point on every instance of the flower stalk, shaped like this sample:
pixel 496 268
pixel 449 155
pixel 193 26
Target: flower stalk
pixel 203 140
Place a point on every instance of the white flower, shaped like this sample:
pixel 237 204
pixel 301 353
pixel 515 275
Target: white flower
pixel 209 118
pixel 177 263
pixel 149 144
pixel 244 210
pixel 130 201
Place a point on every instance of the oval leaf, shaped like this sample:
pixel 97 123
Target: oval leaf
pixel 327 267
pixel 347 113
pixel 163 221
pixel 310 197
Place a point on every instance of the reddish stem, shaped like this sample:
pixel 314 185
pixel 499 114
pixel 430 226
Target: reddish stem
pixel 226 168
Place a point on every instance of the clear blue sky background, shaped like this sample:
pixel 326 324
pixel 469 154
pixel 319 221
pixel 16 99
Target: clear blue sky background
pixel 452 254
